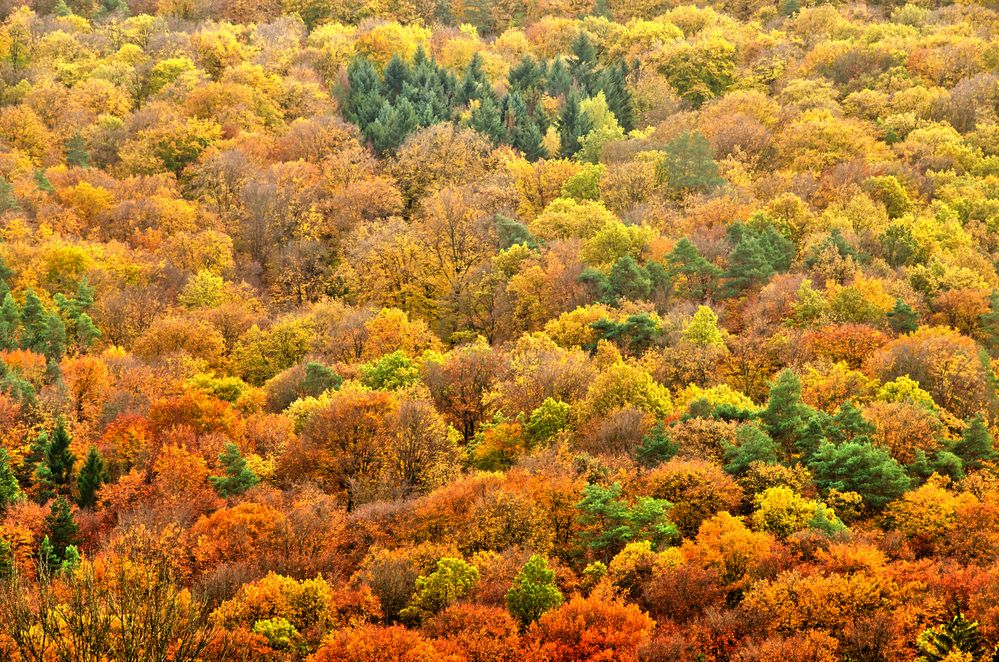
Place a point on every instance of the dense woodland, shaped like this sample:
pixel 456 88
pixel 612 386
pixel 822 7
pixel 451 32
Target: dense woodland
pixel 499 330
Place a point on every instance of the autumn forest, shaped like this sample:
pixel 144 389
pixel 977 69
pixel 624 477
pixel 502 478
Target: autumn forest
pixel 499 330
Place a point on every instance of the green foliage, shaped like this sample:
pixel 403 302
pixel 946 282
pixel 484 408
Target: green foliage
pixel 751 445
pixel 859 467
pixel 319 379
pixel 452 579
pixel 62 534
pixel 699 275
pixel 610 522
pixel 976 444
pixel 280 634
pixel 10 489
pixel 56 470
pixel 945 641
pixel 793 425
pixel 657 447
pixel 548 419
pixel 390 372
pixel 687 165
pixel 902 318
pixel 534 591
pixel 93 474
pixel 238 477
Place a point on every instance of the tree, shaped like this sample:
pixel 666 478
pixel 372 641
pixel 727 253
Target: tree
pixel 610 522
pixel 657 447
pixel 534 591
pixel 789 421
pixel 751 445
pixel 703 329
pixel 976 443
pixel 452 579
pixel 748 266
pixel 687 165
pixel 93 474
pixel 238 477
pixel 958 638
pixel 591 629
pixel 862 468
pixel 699 275
pixel 61 531
pixel 10 489
pixel 573 124
pixel 56 470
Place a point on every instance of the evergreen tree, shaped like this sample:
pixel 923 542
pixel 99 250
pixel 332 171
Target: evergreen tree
pixel 868 470
pixel 583 62
pixel 60 528
pixel 487 120
pixel 627 279
pixel 699 275
pixel 8 201
pixel 792 424
pixel 657 447
pixel 957 639
pixel 395 78
pixel 903 319
pixel 7 565
pixel 55 338
pixel 76 152
pixel 613 83
pixel 751 445
pixel 559 79
pixel 534 591
pixel 748 267
pixel 10 321
pixel 573 125
pixel 34 324
pixel 87 332
pixel 976 444
pixel 527 137
pixel 93 474
pixel 848 424
pixel 56 471
pixel 319 379
pixel 238 477
pixel 10 489
pixel 944 463
pixel 474 83
pixel 364 103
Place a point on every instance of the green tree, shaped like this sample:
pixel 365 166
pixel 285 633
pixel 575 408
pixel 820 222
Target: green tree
pixel 319 379
pixel 10 489
pixel 751 445
pixel 56 470
pixel 859 467
pixel 238 477
pixel 657 447
pixel 688 165
pixel 93 474
pixel 976 444
pixel 390 372
pixel 793 425
pixel 958 635
pixel 610 522
pixel 903 319
pixel 699 275
pixel 548 419
pixel 61 530
pixel 452 579
pixel 534 591
pixel 748 266
pixel 573 124
pixel 76 152
pixel 848 424
pixel 703 329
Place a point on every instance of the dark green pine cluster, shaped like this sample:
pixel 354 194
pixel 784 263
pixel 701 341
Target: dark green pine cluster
pixel 390 105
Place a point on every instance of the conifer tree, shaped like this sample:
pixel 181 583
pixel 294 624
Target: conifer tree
pixel 747 267
pixel 60 528
pixel 238 477
pixel 903 319
pixel 10 489
pixel 34 324
pixel 93 474
pixel 698 273
pixel 657 447
pixel 976 444
pixel 751 445
pixel 76 152
pixel 573 125
pixel 56 470
pixel 957 639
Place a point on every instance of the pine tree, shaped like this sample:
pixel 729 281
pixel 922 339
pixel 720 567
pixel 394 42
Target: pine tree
pixel 34 323
pixel 238 477
pixel 699 275
pixel 751 445
pixel 534 591
pixel 688 165
pixel 903 319
pixel 657 447
pixel 747 267
pixel 60 528
pixel 573 125
pixel 395 78
pixel 583 61
pixel 319 379
pixel 950 640
pixel 10 321
pixel 76 152
pixel 487 120
pixel 786 417
pixel 87 332
pixel 10 489
pixel 627 279
pixel 56 471
pixel 613 83
pixel 868 470
pixel 55 338
pixel 976 444
pixel 93 474
pixel 848 424
pixel 559 79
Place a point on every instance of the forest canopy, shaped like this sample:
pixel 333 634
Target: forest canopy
pixel 499 330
